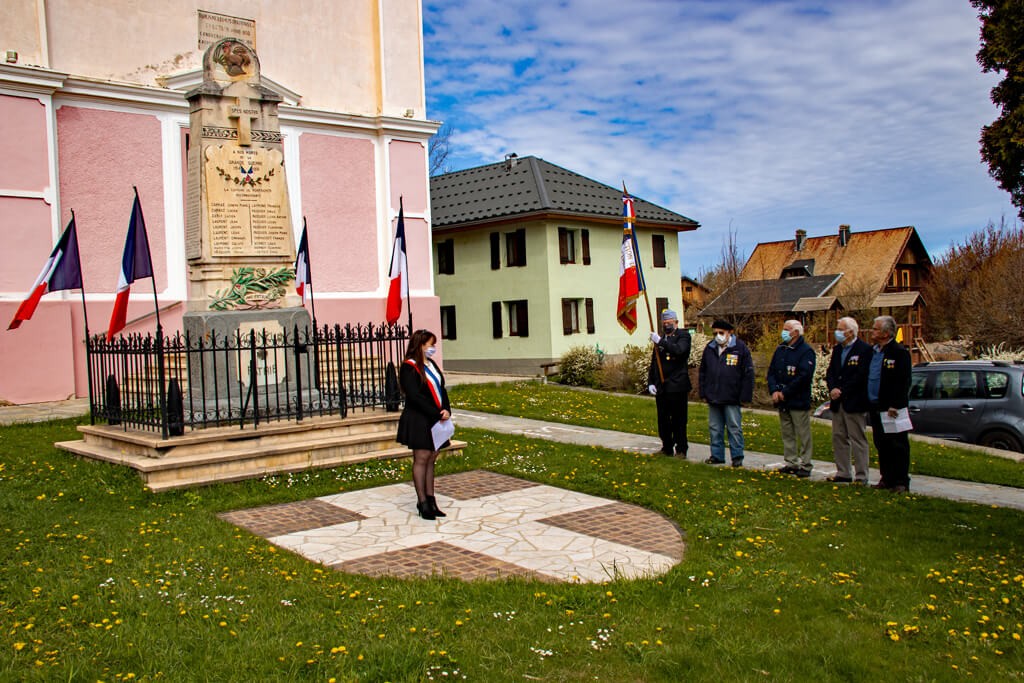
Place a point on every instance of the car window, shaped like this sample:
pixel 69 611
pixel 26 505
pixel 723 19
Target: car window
pixel 996 383
pixel 955 384
pixel 917 384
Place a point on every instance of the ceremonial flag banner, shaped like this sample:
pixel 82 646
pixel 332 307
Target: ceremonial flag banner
pixel 630 278
pixel 399 274
pixel 303 278
pixel 136 263
pixel 63 270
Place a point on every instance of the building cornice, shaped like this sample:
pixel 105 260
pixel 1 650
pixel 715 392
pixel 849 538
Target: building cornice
pixel 537 216
pixel 30 79
pixel 145 96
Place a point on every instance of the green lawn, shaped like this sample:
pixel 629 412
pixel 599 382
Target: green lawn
pixel 636 415
pixel 782 580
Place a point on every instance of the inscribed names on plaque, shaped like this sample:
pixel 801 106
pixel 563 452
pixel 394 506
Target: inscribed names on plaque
pixel 247 202
pixel 214 27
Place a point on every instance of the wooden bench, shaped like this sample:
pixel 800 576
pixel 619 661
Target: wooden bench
pixel 549 369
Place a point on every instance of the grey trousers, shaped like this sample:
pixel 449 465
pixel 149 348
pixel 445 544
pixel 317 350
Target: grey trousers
pixel 850 442
pixel 796 437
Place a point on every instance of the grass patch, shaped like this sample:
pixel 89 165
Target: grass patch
pixel 782 580
pixel 637 415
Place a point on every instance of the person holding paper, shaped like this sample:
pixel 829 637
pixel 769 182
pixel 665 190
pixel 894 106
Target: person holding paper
pixel 888 394
pixel 426 417
pixel 847 382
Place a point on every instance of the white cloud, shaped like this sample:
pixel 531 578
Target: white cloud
pixel 770 116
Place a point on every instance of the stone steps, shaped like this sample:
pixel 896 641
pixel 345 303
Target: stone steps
pixel 231 454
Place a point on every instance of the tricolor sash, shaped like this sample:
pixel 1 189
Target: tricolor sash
pixel 433 378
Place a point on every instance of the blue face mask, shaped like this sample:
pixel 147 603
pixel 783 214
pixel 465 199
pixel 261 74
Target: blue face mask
pixel 840 336
pixel 786 336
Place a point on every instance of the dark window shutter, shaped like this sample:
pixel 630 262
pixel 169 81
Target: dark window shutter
pixel 585 246
pixel 590 316
pixel 495 252
pixel 448 322
pixel 563 245
pixel 661 303
pixel 523 319
pixel 521 243
pixel 566 317
pixel 496 318
pixel 658 246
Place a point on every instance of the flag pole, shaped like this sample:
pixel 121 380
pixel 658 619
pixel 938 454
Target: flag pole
pixel 408 303
pixel 85 320
pixel 643 283
pixel 161 367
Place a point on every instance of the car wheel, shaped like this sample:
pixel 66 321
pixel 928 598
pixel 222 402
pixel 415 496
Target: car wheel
pixel 1001 439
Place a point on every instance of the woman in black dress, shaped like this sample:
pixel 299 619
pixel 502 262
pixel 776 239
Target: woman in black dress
pixel 426 403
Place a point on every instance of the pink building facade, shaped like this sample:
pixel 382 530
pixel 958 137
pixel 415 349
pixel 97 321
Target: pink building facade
pixel 78 134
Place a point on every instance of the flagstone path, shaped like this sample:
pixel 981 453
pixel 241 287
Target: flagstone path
pixel 497 526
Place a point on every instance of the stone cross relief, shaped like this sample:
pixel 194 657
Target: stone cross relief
pixel 244 113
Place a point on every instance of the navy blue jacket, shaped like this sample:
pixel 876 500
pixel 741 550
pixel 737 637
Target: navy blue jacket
pixel 851 377
pixel 894 389
pixel 728 378
pixel 674 350
pixel 791 372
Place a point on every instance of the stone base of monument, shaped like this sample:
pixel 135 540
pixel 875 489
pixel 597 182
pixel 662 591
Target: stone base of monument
pixel 227 454
pixel 260 342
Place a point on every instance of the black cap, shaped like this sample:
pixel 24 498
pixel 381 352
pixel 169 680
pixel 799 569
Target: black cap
pixel 721 325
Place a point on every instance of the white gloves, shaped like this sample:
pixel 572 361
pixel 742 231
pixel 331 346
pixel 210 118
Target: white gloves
pixel 652 390
pixel 655 337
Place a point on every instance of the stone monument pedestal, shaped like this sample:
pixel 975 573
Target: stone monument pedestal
pixel 246 352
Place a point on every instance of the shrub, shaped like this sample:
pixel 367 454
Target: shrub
pixel 819 390
pixel 1000 351
pixel 626 373
pixel 578 366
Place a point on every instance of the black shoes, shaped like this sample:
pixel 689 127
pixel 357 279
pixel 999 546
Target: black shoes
pixel 839 480
pixel 434 508
pixel 426 510
pixel 737 463
pixel 712 461
pixel 795 471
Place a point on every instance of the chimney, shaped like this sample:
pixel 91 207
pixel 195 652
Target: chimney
pixel 844 235
pixel 801 238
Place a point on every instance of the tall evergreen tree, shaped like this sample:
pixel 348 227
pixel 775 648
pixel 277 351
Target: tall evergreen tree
pixel 1002 51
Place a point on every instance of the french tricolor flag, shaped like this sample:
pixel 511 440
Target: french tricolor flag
pixel 135 263
pixel 399 274
pixel 303 277
pixel 63 270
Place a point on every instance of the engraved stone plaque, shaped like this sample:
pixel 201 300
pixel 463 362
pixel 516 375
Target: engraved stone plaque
pixel 214 27
pixel 247 202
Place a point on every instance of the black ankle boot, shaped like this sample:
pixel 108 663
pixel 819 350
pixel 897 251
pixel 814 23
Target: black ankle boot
pixel 433 506
pixel 425 509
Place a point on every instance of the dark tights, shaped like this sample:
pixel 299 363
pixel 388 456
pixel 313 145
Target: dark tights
pixel 423 473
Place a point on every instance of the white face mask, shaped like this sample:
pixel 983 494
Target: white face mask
pixel 721 338
pixel 431 350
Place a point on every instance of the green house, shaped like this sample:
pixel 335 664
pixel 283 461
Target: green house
pixel 526 264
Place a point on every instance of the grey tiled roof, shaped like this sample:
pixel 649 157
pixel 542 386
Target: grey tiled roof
pixel 764 296
pixel 533 186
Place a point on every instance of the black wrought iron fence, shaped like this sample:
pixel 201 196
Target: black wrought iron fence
pixel 179 383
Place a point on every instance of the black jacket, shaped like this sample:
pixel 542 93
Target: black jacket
pixel 894 389
pixel 851 378
pixel 421 412
pixel 791 372
pixel 674 350
pixel 727 378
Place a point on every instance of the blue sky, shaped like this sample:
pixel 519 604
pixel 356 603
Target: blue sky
pixel 756 116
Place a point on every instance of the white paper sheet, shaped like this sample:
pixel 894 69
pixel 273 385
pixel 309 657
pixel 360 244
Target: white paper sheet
pixel 895 425
pixel 442 431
